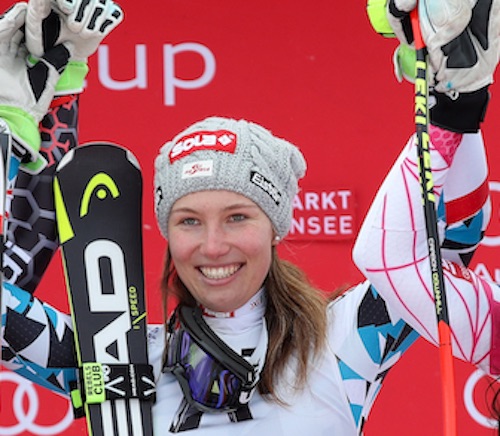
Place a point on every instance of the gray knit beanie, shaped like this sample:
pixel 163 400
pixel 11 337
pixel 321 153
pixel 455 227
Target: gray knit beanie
pixel 226 154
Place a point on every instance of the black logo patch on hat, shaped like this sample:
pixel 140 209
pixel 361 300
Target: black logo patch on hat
pixel 259 180
pixel 158 197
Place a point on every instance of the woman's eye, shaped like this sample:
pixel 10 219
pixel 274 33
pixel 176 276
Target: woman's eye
pixel 237 217
pixel 189 221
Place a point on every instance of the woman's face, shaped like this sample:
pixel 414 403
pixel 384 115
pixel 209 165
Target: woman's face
pixel 221 244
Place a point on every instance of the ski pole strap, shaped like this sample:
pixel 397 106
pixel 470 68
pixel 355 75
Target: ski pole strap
pixel 99 382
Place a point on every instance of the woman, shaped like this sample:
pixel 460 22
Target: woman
pixel 274 356
pixel 224 207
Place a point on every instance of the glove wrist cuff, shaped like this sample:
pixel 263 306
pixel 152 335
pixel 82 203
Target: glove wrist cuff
pixel 23 126
pixel 72 79
pixel 377 14
pixel 463 114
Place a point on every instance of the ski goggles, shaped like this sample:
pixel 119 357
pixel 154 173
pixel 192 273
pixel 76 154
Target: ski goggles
pixel 212 376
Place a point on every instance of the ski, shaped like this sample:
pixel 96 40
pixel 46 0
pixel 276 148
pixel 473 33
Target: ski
pixel 98 198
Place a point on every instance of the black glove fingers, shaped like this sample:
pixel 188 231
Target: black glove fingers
pixel 100 15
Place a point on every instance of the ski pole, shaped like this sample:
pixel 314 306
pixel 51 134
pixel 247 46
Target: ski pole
pixel 5 149
pixel 427 185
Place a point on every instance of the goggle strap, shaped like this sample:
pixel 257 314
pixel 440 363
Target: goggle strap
pixel 192 320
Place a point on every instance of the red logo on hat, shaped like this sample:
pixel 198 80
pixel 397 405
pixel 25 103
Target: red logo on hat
pixel 218 140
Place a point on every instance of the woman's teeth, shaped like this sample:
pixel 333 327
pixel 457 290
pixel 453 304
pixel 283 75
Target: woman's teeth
pixel 219 272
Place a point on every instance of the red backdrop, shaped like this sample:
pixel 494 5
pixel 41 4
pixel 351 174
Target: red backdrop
pixel 313 72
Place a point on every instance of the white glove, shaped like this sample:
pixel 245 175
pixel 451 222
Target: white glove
pixel 463 43
pixel 26 91
pixel 465 63
pixel 441 20
pixel 462 39
pixel 83 25
pixel 80 25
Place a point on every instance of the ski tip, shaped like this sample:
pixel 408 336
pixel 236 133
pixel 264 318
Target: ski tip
pixel 133 160
pixel 98 144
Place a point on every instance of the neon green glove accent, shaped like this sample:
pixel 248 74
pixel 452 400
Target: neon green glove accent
pixel 405 58
pixel 24 129
pixel 377 14
pixel 23 126
pixel 35 166
pixel 73 78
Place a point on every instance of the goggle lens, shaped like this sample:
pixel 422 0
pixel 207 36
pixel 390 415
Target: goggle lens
pixel 202 377
pixel 210 383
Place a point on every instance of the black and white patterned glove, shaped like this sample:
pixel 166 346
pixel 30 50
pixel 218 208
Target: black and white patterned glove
pixel 463 43
pixel 80 25
pixel 26 90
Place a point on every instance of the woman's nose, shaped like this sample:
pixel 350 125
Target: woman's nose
pixel 215 242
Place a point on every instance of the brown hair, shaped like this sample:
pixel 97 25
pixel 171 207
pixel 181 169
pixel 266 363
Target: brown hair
pixel 295 317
